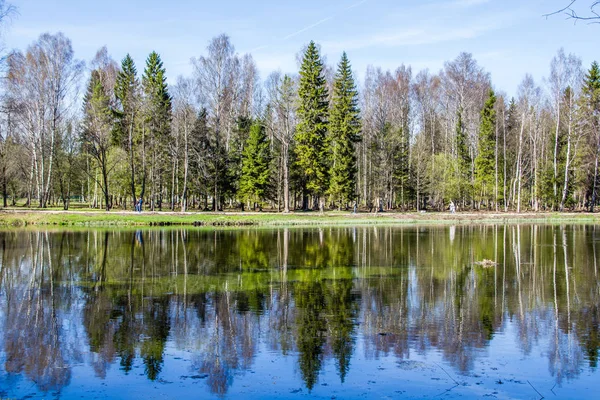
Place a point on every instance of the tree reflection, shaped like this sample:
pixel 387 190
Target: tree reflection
pixel 311 330
pixel 301 293
pixel 34 339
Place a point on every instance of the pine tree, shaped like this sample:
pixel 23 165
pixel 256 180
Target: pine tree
pixel 256 160
pixel 127 87
pixel 484 162
pixel 96 132
pixel 344 132
pixel 158 120
pixel 311 131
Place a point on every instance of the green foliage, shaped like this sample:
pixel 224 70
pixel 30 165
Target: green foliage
pixel 444 181
pixel 591 88
pixel 203 155
pixel 158 101
pixel 311 131
pixel 401 165
pixel 96 107
pixel 97 124
pixel 464 158
pixel 344 132
pixel 125 131
pixel 157 119
pixel 126 93
pixel 311 330
pixel 233 158
pixel 256 160
pixel 486 158
pixel 97 119
pixel 591 113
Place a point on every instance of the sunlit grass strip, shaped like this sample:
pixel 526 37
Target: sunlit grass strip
pixel 124 219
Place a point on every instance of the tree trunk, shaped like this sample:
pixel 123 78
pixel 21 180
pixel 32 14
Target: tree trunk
pixel 185 170
pixel 132 164
pixel 105 182
pixel 565 190
pixel 504 159
pixel 519 166
pixel 555 183
pixel 595 182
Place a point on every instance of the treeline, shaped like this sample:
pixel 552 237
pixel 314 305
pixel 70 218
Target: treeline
pixel 224 139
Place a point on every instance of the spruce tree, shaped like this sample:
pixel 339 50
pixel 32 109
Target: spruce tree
pixel 485 160
pixel 158 99
pixel 203 155
pixel 591 88
pixel 256 159
pixel 125 133
pixel 464 158
pixel 591 99
pixel 158 120
pixel 401 169
pixel 344 132
pixel 231 176
pixel 311 131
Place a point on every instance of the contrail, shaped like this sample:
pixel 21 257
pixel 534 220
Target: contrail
pixel 356 5
pixel 309 27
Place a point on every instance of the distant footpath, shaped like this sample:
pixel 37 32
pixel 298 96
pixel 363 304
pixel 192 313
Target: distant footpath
pixel 22 218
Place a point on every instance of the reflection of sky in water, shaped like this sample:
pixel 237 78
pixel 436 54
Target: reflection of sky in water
pixel 392 311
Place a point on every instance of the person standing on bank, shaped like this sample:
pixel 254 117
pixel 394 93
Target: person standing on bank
pixel 452 207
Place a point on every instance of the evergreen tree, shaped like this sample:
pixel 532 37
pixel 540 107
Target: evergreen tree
pixel 232 174
pixel 591 106
pixel 158 99
pixel 591 88
pixel 401 167
pixel 125 133
pixel 344 132
pixel 96 132
pixel 158 121
pixel 202 152
pixel 485 160
pixel 256 160
pixel 464 158
pixel 311 131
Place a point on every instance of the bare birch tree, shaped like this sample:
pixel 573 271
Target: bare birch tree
pixel 43 84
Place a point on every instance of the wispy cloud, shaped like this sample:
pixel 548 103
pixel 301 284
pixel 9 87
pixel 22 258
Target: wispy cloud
pixel 410 37
pixel 430 31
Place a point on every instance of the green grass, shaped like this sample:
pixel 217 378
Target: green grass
pixel 24 217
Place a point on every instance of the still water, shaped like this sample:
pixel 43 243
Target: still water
pixel 369 312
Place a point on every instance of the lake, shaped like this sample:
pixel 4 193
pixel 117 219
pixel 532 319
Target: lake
pixel 506 311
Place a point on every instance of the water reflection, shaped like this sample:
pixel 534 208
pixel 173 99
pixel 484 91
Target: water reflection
pixel 102 300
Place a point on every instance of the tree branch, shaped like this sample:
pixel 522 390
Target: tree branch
pixel 593 17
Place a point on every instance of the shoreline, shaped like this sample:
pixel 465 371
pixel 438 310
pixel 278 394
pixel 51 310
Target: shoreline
pixel 28 218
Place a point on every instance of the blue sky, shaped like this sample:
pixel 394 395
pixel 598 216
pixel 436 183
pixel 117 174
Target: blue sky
pixel 508 37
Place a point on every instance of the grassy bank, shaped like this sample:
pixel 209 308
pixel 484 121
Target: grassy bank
pixel 21 218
